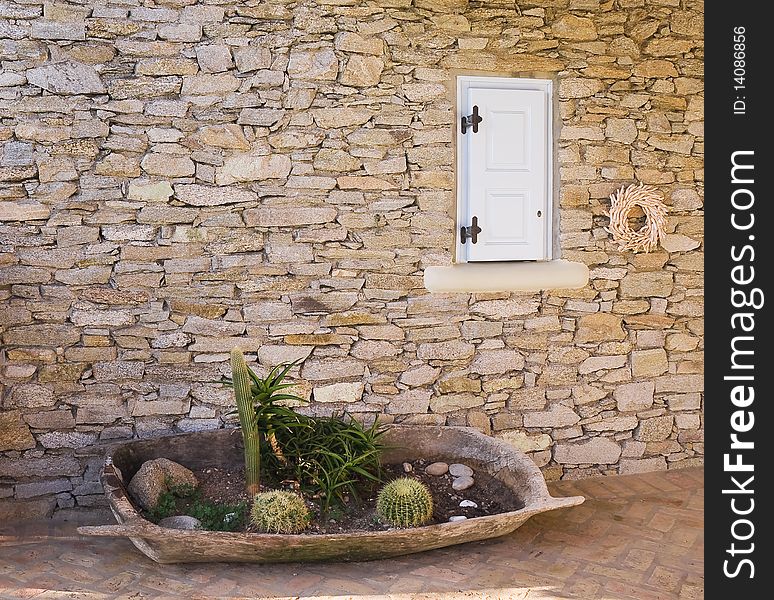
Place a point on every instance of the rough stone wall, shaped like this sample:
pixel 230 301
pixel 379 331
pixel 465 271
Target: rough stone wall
pixel 179 177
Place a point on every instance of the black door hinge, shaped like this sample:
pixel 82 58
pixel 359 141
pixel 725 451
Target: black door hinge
pixel 470 232
pixel 471 121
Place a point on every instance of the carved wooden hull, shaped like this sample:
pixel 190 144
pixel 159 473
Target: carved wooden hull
pixel 223 447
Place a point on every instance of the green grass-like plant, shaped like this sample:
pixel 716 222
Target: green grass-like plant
pixel 213 516
pixel 331 456
pixel 405 502
pixel 280 511
pixel 219 517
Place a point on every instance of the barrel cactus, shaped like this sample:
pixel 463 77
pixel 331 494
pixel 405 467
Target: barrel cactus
pixel 405 502
pixel 279 511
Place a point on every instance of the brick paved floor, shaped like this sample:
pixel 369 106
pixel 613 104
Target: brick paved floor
pixel 636 537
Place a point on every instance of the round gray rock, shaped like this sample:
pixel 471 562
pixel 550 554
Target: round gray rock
pixel 462 483
pixel 437 469
pixel 181 522
pixel 468 504
pixel 157 476
pixel 458 470
pixel 454 518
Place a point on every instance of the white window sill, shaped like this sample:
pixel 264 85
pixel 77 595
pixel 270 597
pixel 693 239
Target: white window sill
pixel 507 276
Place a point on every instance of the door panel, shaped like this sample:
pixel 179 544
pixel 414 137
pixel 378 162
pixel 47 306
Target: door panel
pixel 507 145
pixel 507 174
pixel 506 216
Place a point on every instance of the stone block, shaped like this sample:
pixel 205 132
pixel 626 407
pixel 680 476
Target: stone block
pixel 330 118
pixel 42 488
pixel 655 429
pixel 212 327
pixel 47 29
pixel 680 383
pixel 68 78
pixel 526 442
pixel 42 335
pixel 621 130
pixel 46 467
pixel 352 42
pixel 452 402
pixel 571 27
pixel 647 284
pixel 50 419
pixel 480 329
pixel 599 327
pixel 196 194
pixel 214 58
pixel 497 362
pixel 313 65
pixel 328 369
pixel 23 211
pixel 372 349
pixel 14 432
pixel 597 451
pixel 420 376
pixel 528 399
pixel 557 415
pixel 67 439
pixel 250 167
pixel 119 370
pixel 599 363
pixel 321 302
pixel 459 384
pixel 166 66
pixel 208 84
pixel 448 350
pixel 362 71
pixel 291 216
pixel 505 309
pixel 252 58
pixel 648 363
pixel 339 392
pixel 167 165
pixel 634 396
pixel 656 69
pixel 579 87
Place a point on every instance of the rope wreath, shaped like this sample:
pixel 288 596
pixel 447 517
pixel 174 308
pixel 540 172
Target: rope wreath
pixel 622 203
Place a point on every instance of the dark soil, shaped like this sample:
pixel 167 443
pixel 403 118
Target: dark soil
pixel 227 486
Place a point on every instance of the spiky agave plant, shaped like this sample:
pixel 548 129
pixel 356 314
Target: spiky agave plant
pixel 241 380
pixel 272 415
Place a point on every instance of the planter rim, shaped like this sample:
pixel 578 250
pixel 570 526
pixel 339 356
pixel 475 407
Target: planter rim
pixel 144 533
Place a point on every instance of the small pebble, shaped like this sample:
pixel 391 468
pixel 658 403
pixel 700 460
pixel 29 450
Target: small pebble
pixel 462 483
pixel 454 518
pixel 458 470
pixel 468 504
pixel 437 469
pixel 407 468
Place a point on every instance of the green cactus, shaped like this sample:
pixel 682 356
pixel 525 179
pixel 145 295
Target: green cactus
pixel 405 502
pixel 279 511
pixel 241 380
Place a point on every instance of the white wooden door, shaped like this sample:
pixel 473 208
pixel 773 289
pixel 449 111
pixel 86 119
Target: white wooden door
pixel 506 175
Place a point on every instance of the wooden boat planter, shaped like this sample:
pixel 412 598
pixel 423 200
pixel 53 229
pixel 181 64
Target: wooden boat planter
pixel 223 447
